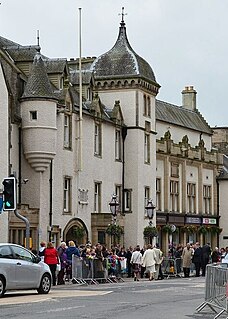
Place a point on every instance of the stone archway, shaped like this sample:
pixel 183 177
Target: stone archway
pixel 76 230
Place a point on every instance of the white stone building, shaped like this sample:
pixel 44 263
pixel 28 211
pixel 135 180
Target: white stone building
pixel 131 144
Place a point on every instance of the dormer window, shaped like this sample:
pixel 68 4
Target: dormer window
pixel 33 115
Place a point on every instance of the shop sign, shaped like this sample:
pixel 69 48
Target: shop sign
pixel 193 220
pixel 209 221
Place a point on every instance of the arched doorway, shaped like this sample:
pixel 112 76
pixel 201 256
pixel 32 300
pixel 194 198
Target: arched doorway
pixel 77 231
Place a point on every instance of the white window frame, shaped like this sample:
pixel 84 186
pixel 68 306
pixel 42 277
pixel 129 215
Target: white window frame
pixel 174 196
pixel 207 199
pixel 97 139
pixel 97 197
pixel 67 195
pixel 191 198
pixel 118 145
pixel 147 148
pixel 66 130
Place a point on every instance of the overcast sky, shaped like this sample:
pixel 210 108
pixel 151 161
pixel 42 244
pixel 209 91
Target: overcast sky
pixel 185 42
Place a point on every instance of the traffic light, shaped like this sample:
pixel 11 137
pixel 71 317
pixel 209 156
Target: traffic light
pixel 9 193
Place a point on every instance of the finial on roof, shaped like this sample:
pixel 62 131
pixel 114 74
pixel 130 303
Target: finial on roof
pixel 122 23
pixel 38 40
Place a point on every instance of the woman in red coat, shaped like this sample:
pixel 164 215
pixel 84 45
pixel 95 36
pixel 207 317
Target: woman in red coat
pixel 51 258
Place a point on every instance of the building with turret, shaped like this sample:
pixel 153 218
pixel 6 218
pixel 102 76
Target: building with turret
pixel 126 143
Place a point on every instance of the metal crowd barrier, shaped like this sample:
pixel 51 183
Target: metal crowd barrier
pixel 171 267
pixel 91 271
pixel 216 290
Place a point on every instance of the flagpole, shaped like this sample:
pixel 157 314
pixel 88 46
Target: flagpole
pixel 80 92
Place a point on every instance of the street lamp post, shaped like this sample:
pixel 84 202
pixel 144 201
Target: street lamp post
pixel 150 207
pixel 114 204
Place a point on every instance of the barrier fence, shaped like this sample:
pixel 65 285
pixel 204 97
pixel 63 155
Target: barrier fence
pixel 216 290
pixel 171 267
pixel 95 271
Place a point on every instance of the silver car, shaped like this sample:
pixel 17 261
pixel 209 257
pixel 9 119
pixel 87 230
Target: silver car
pixel 21 269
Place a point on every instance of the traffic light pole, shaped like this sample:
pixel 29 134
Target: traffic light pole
pixel 27 230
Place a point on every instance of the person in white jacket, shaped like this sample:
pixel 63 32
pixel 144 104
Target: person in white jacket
pixel 136 261
pixel 149 261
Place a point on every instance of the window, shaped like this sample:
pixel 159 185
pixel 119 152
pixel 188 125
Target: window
pixel 67 195
pixel 174 196
pixel 66 131
pixel 118 145
pixel 97 197
pixel 146 198
pixel 147 148
pixel 158 194
pixel 207 199
pixel 146 106
pixel 127 200
pixel 5 252
pixel 97 139
pixel 33 115
pixel 22 254
pixel 101 237
pixel 191 198
pixel 118 192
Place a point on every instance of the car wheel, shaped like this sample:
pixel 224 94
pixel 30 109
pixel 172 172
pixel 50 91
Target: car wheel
pixel 2 286
pixel 45 284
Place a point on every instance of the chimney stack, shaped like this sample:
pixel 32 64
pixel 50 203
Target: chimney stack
pixel 189 98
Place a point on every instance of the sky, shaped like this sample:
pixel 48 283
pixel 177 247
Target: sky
pixel 184 41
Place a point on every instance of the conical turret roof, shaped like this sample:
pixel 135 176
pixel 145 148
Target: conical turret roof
pixel 38 85
pixel 122 61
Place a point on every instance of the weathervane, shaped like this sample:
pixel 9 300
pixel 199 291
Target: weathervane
pixel 122 14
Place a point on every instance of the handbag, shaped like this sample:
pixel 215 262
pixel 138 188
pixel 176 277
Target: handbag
pixel 58 267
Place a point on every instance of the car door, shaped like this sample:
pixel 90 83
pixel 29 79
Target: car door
pixel 7 266
pixel 27 273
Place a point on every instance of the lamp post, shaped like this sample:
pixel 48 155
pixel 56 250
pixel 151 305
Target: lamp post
pixel 150 207
pixel 114 204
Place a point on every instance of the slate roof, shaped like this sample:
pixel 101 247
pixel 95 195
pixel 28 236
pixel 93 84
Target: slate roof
pixel 55 65
pixel 122 61
pixel 181 116
pixel 38 85
pixel 86 77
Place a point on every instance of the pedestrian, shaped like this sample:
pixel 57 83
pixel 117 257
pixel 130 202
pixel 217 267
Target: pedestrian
pixel 215 256
pixel 51 258
pixel 63 263
pixel 41 250
pixel 206 253
pixel 129 265
pixel 178 260
pixel 142 251
pixel 159 258
pixel 136 261
pixel 197 258
pixel 70 251
pixel 149 261
pixel 187 259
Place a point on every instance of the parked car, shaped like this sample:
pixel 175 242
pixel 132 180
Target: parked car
pixel 21 269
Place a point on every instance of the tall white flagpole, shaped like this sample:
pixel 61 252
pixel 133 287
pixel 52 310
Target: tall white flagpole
pixel 80 92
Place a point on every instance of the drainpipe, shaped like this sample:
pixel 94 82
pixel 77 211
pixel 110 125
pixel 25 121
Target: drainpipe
pixel 19 167
pixel 51 198
pixel 124 134
pixel 218 210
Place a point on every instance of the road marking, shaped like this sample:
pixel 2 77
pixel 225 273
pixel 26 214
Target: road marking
pixel 60 309
pixel 28 297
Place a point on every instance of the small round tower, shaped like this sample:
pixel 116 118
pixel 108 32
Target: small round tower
pixel 38 112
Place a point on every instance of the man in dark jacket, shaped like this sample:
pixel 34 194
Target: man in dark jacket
pixel 197 258
pixel 206 253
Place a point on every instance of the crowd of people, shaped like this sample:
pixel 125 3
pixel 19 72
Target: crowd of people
pixel 137 262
